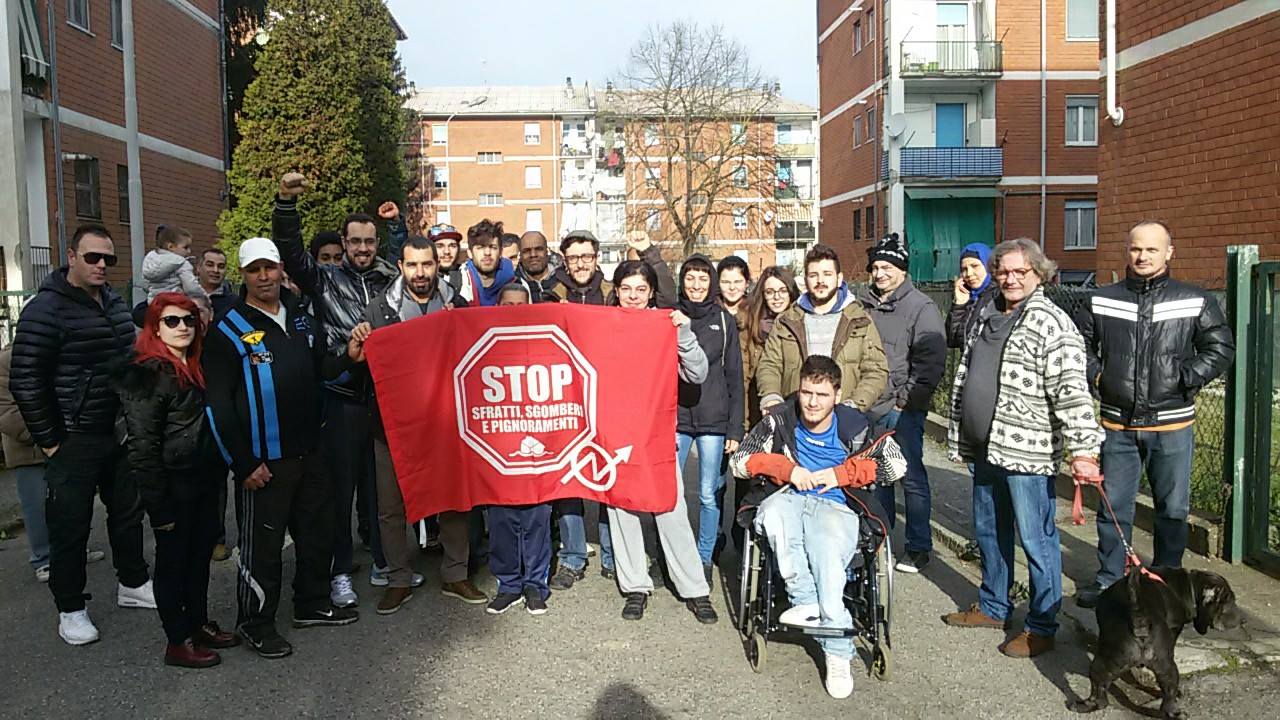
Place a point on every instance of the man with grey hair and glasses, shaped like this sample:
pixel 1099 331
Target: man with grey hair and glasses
pixel 1020 405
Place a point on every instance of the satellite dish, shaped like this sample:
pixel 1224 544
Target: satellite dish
pixel 768 217
pixel 897 124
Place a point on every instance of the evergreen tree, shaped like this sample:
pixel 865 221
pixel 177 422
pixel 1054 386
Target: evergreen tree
pixel 326 102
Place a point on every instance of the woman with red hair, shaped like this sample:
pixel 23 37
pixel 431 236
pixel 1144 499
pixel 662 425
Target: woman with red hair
pixel 173 453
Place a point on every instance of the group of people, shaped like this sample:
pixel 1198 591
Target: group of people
pixel 778 388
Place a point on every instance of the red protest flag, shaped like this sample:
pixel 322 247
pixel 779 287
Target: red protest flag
pixel 527 404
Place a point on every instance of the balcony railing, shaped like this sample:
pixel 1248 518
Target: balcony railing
pixel 952 162
pixel 951 58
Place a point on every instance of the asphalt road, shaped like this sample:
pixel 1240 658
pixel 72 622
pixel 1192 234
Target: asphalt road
pixel 440 658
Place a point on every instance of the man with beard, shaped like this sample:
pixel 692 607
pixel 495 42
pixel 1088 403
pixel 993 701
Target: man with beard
pixel 487 272
pixel 415 293
pixel 535 266
pixel 581 281
pixel 340 294
pixel 448 242
pixel 826 320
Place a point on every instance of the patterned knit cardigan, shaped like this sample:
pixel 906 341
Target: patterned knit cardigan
pixel 1043 402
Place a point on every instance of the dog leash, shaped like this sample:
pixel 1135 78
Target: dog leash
pixel 1131 559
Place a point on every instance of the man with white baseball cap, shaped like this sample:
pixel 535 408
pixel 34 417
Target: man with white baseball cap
pixel 263 366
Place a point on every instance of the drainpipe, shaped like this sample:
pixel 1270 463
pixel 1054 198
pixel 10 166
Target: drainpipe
pixel 222 84
pixel 448 188
pixel 1044 148
pixel 56 125
pixel 137 244
pixel 1114 111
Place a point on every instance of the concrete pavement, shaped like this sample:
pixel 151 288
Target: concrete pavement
pixel 440 658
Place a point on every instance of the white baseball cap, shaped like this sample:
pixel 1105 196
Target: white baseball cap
pixel 258 248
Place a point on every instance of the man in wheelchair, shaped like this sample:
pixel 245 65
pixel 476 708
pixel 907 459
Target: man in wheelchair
pixel 816 457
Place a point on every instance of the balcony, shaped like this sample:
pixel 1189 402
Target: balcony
pixel 952 59
pixel 799 150
pixel 952 163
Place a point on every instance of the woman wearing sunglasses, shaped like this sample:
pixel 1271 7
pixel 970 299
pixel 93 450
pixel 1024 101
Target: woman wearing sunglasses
pixel 174 456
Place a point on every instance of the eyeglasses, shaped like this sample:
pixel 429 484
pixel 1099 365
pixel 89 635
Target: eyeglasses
pixel 173 321
pixel 1018 274
pixel 582 259
pixel 780 292
pixel 93 258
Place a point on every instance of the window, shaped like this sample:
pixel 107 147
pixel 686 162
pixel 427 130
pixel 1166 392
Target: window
pixel 740 177
pixel 739 218
pixel 489 158
pixel 533 220
pixel 871 26
pixel 122 192
pixel 1082 225
pixel 871 124
pixel 653 175
pixel 1082 19
pixel 532 134
pixel 857 37
pixel 1082 120
pixel 439 134
pixel 532 177
pixel 490 200
pixel 653 220
pixel 440 178
pixel 117 24
pixel 738 132
pixel 88 199
pixel 857 224
pixel 651 135
pixel 871 223
pixel 444 217
pixel 857 130
pixel 78 13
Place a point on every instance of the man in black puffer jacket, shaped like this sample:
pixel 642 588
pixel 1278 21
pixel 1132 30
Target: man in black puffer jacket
pixel 339 296
pixel 1153 342
pixel 69 338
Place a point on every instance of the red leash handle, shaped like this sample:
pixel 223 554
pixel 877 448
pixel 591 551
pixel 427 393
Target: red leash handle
pixel 1077 503
pixel 1131 559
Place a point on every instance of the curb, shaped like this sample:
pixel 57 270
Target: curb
pixel 1203 535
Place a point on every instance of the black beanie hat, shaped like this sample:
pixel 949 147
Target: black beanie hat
pixel 891 250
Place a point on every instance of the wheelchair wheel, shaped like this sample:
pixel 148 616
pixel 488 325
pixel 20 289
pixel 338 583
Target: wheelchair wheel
pixel 881 662
pixel 757 651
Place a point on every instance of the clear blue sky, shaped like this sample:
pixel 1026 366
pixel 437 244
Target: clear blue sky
pixel 532 42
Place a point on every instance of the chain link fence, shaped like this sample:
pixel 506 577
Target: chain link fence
pixel 1210 427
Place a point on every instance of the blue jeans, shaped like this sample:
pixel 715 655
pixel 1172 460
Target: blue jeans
pixel 1001 499
pixel 573 535
pixel 1166 456
pixel 813 540
pixel 31 494
pixel 710 481
pixel 908 427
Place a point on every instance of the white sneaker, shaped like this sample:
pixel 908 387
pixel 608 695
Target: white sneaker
pixel 839 677
pixel 42 574
pixel 378 578
pixel 139 597
pixel 93 556
pixel 76 628
pixel 341 594
pixel 801 616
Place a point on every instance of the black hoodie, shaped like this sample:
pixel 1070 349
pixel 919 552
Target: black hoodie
pixel 715 406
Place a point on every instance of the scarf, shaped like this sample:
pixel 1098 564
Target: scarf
pixel 488 296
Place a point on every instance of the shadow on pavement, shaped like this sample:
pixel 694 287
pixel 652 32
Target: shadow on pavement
pixel 620 700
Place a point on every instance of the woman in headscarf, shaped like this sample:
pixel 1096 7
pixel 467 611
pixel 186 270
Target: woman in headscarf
pixel 709 413
pixel 973 290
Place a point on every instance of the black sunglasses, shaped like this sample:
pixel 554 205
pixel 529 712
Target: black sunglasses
pixel 93 258
pixel 172 321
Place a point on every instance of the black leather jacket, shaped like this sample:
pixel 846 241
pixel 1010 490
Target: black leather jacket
pixel 1152 345
pixel 339 293
pixel 65 348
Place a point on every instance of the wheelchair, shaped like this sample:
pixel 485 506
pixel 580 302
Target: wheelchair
pixel 761 591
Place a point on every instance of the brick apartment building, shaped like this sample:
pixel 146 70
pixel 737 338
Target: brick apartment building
pixel 930 116
pixel 1199 145
pixel 179 127
pixel 555 159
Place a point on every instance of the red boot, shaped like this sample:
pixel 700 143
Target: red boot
pixel 189 656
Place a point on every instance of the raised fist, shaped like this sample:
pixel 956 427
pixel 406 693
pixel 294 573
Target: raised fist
pixel 388 211
pixel 292 185
pixel 638 240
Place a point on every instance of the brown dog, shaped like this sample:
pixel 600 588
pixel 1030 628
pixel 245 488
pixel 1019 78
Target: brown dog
pixel 1139 620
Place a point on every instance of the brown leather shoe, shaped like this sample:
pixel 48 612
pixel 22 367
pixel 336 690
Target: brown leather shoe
pixel 1027 645
pixel 189 656
pixel 392 599
pixel 465 591
pixel 973 618
pixel 211 636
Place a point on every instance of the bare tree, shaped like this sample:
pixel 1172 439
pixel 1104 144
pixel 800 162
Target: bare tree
pixel 693 109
